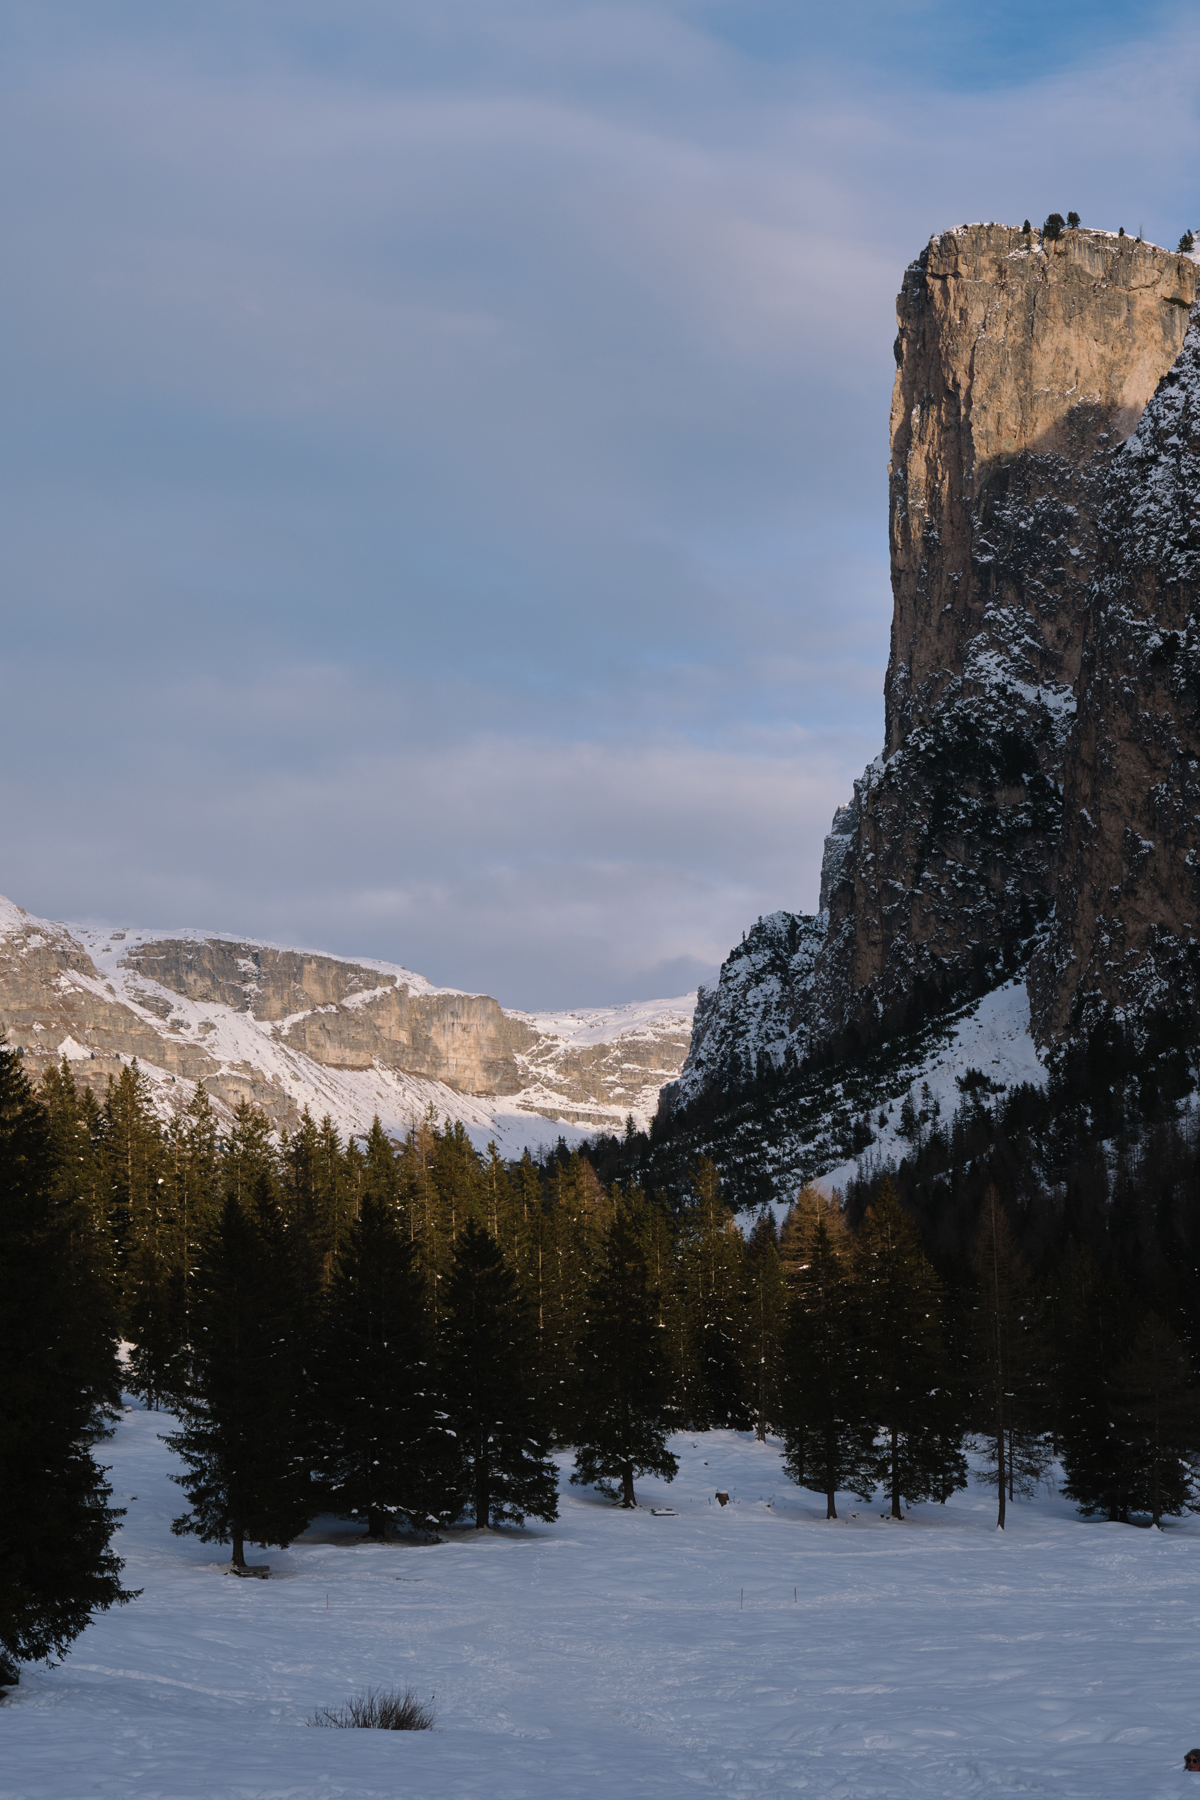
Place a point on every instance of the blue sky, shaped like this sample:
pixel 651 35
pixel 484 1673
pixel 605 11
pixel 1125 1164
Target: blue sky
pixel 445 447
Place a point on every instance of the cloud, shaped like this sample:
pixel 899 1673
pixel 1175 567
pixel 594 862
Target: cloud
pixel 446 447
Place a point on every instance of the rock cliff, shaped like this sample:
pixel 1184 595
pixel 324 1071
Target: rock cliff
pixel 286 1028
pixel 1123 941
pixel 1030 582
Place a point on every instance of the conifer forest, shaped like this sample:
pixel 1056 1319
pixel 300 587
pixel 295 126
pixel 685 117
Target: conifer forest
pixel 403 1333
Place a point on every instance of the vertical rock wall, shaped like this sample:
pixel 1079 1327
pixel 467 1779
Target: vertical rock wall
pixel 1124 938
pixel 1020 366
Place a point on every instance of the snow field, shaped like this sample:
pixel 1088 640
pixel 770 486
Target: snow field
pixel 612 1653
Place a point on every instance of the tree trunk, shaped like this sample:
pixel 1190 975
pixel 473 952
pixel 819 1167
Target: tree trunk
pixel 377 1526
pixel 627 1498
pixel 896 1512
pixel 1001 1482
pixel 237 1532
pixel 482 1496
pixel 998 1341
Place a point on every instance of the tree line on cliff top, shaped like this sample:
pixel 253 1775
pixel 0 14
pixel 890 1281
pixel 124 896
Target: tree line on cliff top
pixel 406 1333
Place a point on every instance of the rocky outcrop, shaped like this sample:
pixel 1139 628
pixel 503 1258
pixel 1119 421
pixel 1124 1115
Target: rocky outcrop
pixel 1124 941
pixel 756 1018
pixel 345 1015
pixel 286 1028
pixel 1022 368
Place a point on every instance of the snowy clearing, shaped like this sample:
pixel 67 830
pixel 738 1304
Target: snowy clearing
pixel 613 1652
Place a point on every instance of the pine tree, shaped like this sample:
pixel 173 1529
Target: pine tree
pixel 489 1386
pixel 1187 243
pixel 60 1389
pixel 766 1321
pixel 623 1384
pixel 711 1276
pixel 135 1153
pixel 246 1440
pixel 566 1238
pixel 249 1166
pixel 828 1430
pixel 1156 1421
pixel 1101 1471
pixel 899 1303
pixel 1073 221
pixel 385 1451
pixel 1007 1346
pixel 1053 229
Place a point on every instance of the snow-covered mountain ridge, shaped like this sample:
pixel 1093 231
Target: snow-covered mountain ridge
pixel 287 1028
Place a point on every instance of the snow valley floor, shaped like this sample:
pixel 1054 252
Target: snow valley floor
pixel 751 1650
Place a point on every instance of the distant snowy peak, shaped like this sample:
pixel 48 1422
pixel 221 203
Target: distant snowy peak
pixel 287 1028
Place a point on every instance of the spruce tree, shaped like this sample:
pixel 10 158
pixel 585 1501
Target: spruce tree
pixel 1097 1326
pixel 766 1319
pixel 1155 1405
pixel 60 1389
pixel 385 1450
pixel 898 1298
pixel 246 1438
pixel 1008 1349
pixel 490 1386
pixel 828 1430
pixel 623 1384
pixel 712 1291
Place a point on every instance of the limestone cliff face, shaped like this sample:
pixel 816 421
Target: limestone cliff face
pixel 287 1028
pixel 1022 368
pixel 1017 362
pixel 1124 937
pixel 346 1015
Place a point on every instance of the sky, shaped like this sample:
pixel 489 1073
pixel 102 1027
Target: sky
pixel 444 446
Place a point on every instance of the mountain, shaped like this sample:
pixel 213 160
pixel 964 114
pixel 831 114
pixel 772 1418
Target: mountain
pixel 287 1028
pixel 1031 821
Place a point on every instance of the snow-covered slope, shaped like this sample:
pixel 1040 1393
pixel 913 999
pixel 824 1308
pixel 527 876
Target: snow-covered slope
pixel 752 1651
pixel 287 1028
pixel 825 1121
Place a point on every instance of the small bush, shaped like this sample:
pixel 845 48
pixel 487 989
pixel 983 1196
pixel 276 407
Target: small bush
pixel 378 1710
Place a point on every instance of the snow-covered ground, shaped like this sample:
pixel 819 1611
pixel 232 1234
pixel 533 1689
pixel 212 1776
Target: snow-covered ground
pixel 629 1655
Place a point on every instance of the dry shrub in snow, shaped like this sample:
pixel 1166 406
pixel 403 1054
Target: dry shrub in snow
pixel 377 1710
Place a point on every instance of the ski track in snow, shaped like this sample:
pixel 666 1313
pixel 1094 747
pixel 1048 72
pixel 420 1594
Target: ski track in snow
pixel 609 1653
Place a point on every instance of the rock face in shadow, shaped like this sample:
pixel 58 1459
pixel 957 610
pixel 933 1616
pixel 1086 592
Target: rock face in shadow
pixel 1124 940
pixel 1022 368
